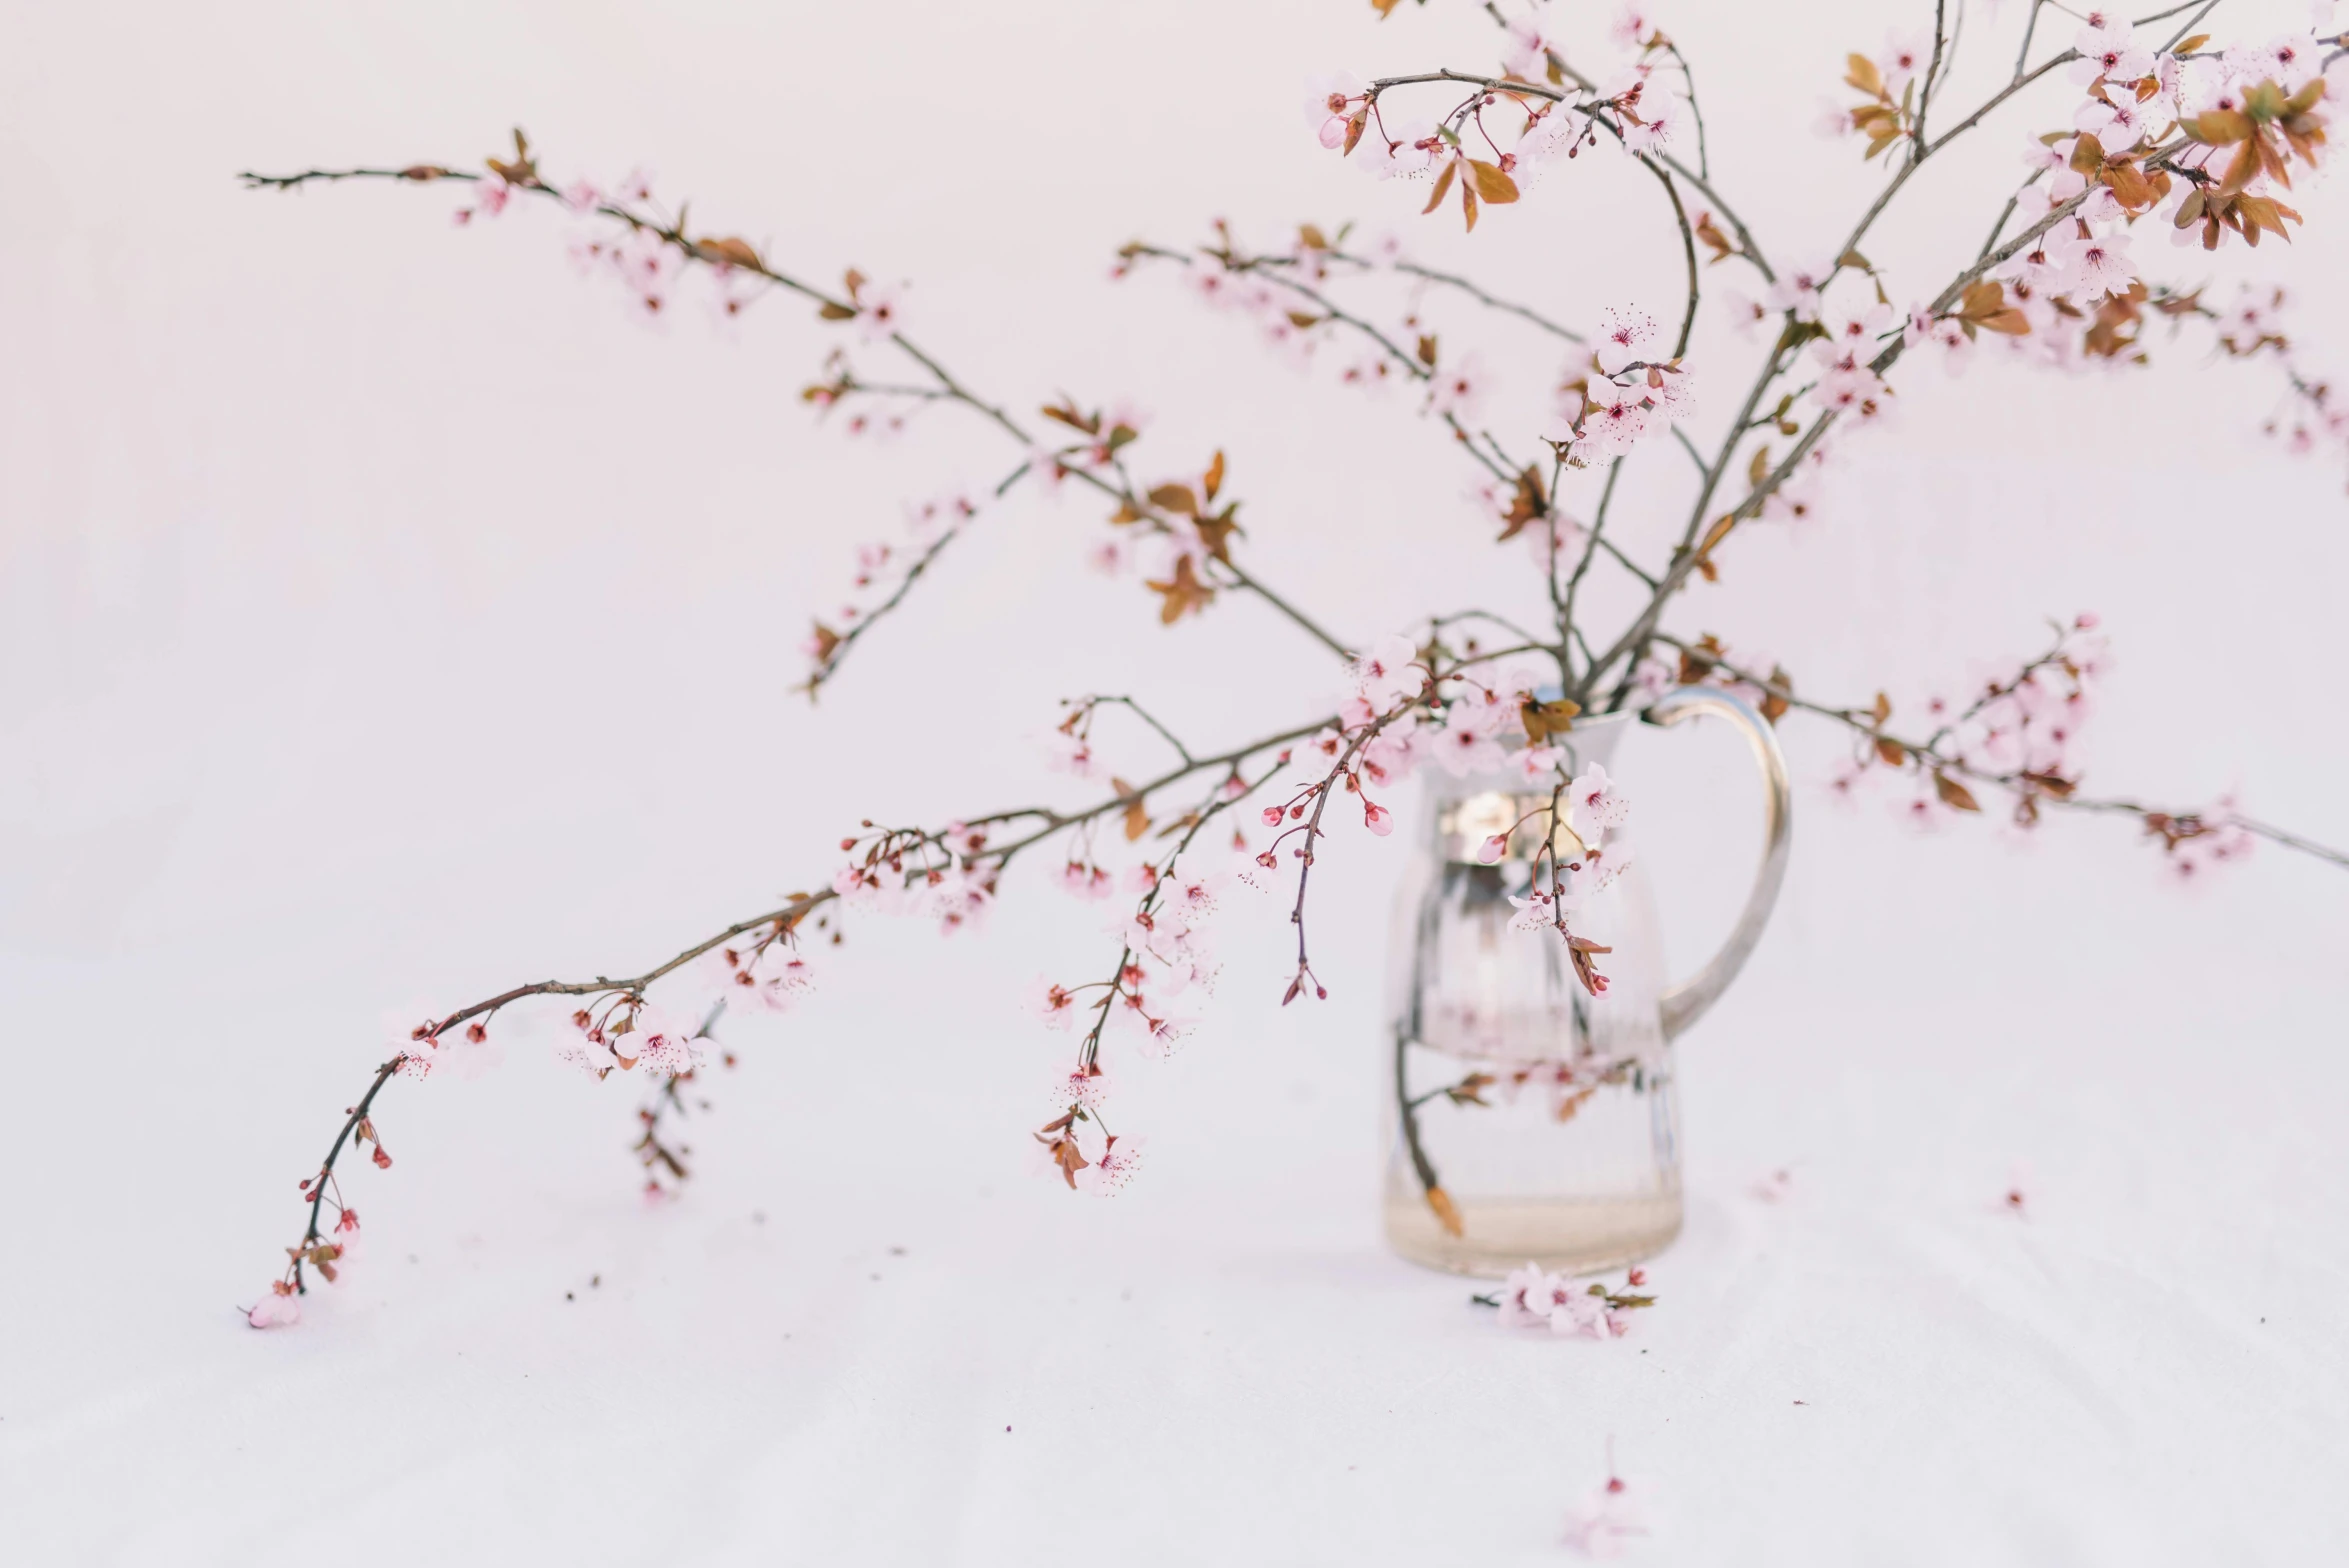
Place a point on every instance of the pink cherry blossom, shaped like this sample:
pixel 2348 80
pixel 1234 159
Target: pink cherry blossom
pixel 660 1043
pixel 2101 266
pixel 1458 389
pixel 1632 26
pixel 1330 102
pixel 1606 1523
pixel 281 1308
pixel 1377 818
pixel 1557 129
pixel 1390 672
pixel 1599 805
pixel 1624 336
pixel 1615 421
pixel 1525 1298
pixel 1071 754
pixel 1052 1003
pixel 1465 746
pixel 1599 870
pixel 880 312
pixel 1084 1089
pixel 1658 123
pixel 1115 1169
pixel 2109 51
pixel 1537 765
pixel 1904 58
pixel 1797 289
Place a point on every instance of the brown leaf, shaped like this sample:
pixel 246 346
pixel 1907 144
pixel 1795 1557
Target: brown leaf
pixel 1715 534
pixel 1891 752
pixel 1447 1215
pixel 1427 349
pixel 423 171
pixel 1066 414
pixel 1774 706
pixel 1526 505
pixel 1182 594
pixel 2241 168
pixel 1882 710
pixel 1468 205
pixel 730 251
pixel 1863 75
pixel 1216 533
pixel 826 639
pixel 1175 498
pixel 1953 794
pixel 1545 719
pixel 1137 821
pixel 1214 477
pixel 2129 186
pixel 832 312
pixel 1491 182
pixel 1443 188
pixel 2189 45
pixel 1715 241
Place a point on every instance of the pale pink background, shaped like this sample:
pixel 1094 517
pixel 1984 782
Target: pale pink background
pixel 385 618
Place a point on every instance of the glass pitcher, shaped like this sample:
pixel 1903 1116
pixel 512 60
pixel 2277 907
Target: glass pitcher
pixel 1531 1121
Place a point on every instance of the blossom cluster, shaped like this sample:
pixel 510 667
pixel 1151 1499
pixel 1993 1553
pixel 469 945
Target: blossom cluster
pixel 945 876
pixel 1533 1297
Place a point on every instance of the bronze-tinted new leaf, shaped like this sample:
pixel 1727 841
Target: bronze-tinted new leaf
pixel 1443 188
pixel 1175 498
pixel 1182 594
pixel 1545 719
pixel 1953 794
pixel 730 251
pixel 1490 182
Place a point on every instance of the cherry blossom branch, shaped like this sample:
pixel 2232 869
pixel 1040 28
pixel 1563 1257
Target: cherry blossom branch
pixel 778 924
pixel 1930 758
pixel 1416 366
pixel 730 255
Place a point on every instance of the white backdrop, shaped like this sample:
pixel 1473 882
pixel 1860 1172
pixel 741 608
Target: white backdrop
pixel 389 618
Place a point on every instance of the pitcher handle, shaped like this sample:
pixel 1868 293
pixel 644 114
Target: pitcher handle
pixel 1688 1001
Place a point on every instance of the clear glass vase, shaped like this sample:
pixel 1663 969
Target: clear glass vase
pixel 1529 1120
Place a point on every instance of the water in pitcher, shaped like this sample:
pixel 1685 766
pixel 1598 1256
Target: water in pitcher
pixel 1529 1120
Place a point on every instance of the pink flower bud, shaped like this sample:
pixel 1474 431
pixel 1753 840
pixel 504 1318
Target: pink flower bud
pixel 1377 818
pixel 1272 816
pixel 1492 849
